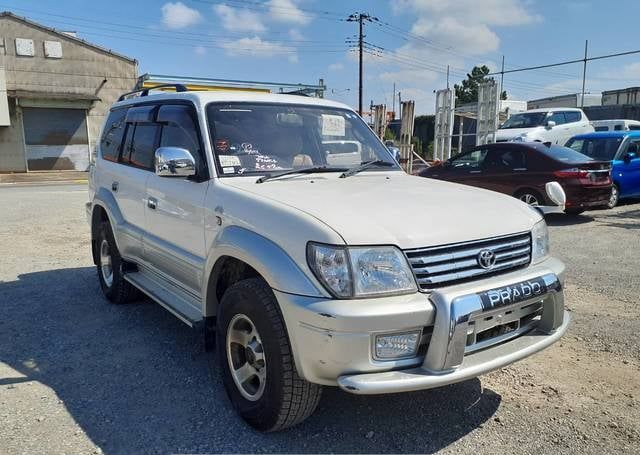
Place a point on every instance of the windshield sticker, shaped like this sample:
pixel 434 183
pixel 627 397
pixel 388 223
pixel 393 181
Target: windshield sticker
pixel 228 170
pixel 333 125
pixel 229 160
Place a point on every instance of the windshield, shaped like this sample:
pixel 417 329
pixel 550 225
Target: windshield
pixel 264 138
pixel 601 149
pixel 524 120
pixel 564 154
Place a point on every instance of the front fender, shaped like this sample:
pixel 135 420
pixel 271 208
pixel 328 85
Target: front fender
pixel 279 270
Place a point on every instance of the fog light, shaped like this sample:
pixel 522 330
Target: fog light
pixel 397 345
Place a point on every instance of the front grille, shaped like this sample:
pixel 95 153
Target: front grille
pixel 456 263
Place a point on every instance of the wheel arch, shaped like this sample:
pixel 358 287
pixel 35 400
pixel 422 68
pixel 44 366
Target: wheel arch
pixel 104 208
pixel 239 253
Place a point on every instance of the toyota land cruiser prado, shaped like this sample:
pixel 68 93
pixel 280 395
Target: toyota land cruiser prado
pixel 285 229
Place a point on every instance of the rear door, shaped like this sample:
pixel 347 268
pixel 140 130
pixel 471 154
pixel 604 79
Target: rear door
pixel 507 170
pixel 174 242
pixel 127 183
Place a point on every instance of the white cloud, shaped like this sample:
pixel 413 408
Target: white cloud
pixel 288 12
pixel 295 34
pixel 200 50
pixel 239 20
pixel 178 15
pixel 627 72
pixel 257 47
pixel 336 67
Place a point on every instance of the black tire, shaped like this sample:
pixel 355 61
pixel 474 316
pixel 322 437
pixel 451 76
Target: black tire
pixel 614 198
pixel 117 290
pixel 527 196
pixel 286 399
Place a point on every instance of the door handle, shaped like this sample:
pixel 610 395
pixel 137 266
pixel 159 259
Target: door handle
pixel 152 203
pixel 114 187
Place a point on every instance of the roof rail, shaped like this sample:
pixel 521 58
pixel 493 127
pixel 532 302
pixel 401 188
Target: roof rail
pixel 145 91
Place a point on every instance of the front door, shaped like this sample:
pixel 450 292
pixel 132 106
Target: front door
pixel 174 240
pixel 626 173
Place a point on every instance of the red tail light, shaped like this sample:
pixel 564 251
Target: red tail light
pixel 585 177
pixel 573 173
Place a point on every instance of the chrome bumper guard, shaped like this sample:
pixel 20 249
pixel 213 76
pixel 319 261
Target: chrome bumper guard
pixel 456 353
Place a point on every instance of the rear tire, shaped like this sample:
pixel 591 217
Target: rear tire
pixel 614 198
pixel 110 269
pixel 255 359
pixel 531 197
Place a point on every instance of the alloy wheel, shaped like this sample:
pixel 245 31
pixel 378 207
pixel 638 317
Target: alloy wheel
pixel 245 353
pixel 530 199
pixel 106 268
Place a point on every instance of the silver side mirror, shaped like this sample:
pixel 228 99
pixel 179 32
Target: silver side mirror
pixel 174 162
pixel 550 124
pixel 556 193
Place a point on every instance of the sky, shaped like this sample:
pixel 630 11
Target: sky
pixel 409 42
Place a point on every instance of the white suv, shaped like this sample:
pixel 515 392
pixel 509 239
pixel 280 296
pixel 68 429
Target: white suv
pixel 226 209
pixel 556 126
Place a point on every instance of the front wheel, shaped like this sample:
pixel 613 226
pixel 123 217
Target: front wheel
pixel 254 356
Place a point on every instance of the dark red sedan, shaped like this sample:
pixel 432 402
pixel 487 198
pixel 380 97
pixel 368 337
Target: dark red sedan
pixel 522 169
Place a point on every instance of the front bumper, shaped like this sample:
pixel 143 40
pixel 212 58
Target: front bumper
pixel 332 340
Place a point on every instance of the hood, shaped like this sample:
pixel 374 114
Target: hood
pixel 394 208
pixel 511 133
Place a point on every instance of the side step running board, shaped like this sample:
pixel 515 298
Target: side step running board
pixel 180 306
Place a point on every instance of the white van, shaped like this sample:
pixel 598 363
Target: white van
pixel 615 125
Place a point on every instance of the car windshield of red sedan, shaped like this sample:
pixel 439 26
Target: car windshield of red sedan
pixel 524 120
pixel 565 154
pixel 603 149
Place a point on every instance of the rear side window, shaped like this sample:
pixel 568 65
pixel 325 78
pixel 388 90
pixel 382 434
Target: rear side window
pixel 143 145
pixel 572 116
pixel 508 159
pixel 112 135
pixel 601 128
pixel 557 117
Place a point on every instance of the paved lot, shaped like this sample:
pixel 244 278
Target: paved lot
pixel 78 375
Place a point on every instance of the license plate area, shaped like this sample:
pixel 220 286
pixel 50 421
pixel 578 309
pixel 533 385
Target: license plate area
pixel 501 324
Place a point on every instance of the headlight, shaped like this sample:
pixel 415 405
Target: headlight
pixel 361 271
pixel 539 241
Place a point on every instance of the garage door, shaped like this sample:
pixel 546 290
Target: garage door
pixel 56 139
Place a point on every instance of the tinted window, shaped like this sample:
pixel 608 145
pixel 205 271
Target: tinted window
pixel 524 120
pixel 557 117
pixel 143 146
pixel 601 128
pixel 508 159
pixel 564 154
pixel 179 129
pixel 634 127
pixel 470 160
pixel 572 116
pixel 617 128
pixel 112 135
pixel 596 148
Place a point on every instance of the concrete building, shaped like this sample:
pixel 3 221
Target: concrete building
pixel 571 100
pixel 623 96
pixel 54 92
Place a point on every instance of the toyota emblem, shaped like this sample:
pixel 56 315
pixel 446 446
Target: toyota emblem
pixel 486 259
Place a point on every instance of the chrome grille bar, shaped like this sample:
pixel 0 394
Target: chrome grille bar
pixel 449 264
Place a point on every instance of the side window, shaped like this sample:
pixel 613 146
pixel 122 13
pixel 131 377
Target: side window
pixel 470 160
pixel 179 129
pixel 617 128
pixel 110 142
pixel 508 160
pixel 572 116
pixel 557 117
pixel 601 128
pixel 144 144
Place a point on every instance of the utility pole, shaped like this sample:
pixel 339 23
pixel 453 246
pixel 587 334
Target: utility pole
pixel 584 72
pixel 447 77
pixel 360 18
pixel 501 79
pixel 393 102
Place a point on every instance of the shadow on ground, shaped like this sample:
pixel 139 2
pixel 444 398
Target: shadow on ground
pixel 136 380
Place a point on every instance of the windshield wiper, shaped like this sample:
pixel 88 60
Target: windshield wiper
pixel 304 170
pixel 366 165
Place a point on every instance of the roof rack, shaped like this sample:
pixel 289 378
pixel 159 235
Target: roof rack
pixel 145 90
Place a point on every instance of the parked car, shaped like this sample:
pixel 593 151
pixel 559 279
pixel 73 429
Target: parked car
pixel 522 169
pixel 222 208
pixel 622 149
pixel 395 151
pixel 555 126
pixel 615 125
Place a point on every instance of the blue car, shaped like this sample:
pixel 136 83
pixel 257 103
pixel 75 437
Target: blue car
pixel 622 148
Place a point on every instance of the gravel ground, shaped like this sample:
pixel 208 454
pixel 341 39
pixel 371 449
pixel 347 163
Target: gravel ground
pixel 78 375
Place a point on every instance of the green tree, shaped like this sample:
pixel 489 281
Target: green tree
pixel 467 91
